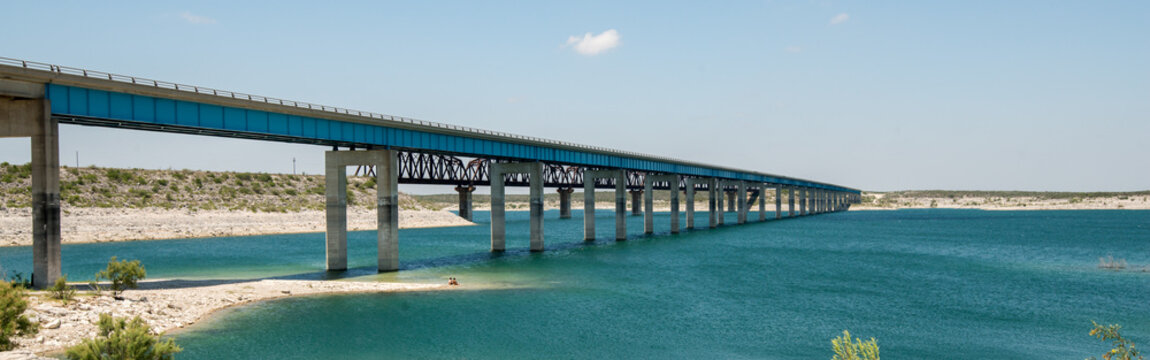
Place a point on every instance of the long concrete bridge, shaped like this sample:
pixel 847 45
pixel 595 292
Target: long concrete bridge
pixel 36 97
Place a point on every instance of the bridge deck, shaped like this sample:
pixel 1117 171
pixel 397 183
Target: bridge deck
pixel 88 97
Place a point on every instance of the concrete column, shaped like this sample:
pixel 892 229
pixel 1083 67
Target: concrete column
pixel 498 208
pixel 712 197
pixel 536 197
pixel 803 202
pixel 588 205
pixel 464 201
pixel 387 208
pixel 648 203
pixel 45 193
pixel 790 201
pixel 335 188
pixel 498 220
pixel 719 192
pixel 589 177
pixel 742 200
pixel 778 202
pixel 565 202
pixel 636 200
pixel 674 183
pixel 689 191
pixel 620 206
pixel 762 202
pixel 731 197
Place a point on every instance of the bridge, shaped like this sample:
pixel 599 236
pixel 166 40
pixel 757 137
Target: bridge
pixel 36 97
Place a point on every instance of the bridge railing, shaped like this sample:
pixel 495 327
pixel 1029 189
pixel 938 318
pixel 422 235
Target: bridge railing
pixel 297 104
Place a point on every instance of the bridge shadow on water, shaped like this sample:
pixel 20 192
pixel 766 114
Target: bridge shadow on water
pixel 464 260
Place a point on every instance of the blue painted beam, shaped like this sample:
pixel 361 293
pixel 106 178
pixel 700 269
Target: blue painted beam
pixel 82 102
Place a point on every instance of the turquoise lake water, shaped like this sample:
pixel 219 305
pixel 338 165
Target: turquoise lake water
pixel 941 284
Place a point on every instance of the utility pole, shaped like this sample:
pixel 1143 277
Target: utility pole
pixel 293 166
pixel 77 159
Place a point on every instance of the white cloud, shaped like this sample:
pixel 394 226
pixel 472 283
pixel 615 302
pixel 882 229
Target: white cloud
pixel 594 44
pixel 840 18
pixel 196 19
pixel 793 49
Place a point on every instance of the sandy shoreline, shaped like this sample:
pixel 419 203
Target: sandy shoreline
pixel 87 225
pixel 168 305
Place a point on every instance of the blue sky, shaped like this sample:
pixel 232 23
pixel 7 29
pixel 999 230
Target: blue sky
pixel 989 95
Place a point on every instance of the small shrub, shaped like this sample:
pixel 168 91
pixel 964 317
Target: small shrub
pixel 120 338
pixel 162 182
pixel 1123 348
pixel 846 349
pixel 12 319
pixel 291 192
pixel 123 274
pixel 244 176
pixel 61 291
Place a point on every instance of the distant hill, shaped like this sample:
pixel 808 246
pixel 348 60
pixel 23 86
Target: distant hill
pixel 93 187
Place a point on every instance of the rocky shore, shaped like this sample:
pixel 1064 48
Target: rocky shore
pixel 167 305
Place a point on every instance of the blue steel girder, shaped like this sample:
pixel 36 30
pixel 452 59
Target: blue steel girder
pixel 92 100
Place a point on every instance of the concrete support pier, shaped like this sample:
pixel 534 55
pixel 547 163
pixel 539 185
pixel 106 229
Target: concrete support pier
pixel 29 115
pixel 387 205
pixel 714 201
pixel 741 198
pixel 565 202
pixel 762 202
pixel 24 112
pixel 589 177
pixel 778 202
pixel 803 202
pixel 649 202
pixel 534 170
pixel 790 201
pixel 689 191
pixel 718 196
pixel 465 200
pixel 731 197
pixel 636 201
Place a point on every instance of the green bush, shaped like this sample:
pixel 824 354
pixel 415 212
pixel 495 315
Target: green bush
pixel 123 274
pixel 1123 348
pixel 12 319
pixel 61 291
pixel 120 338
pixel 845 349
